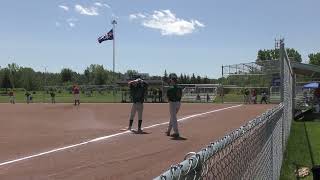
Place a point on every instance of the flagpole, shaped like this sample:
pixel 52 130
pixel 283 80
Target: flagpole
pixel 114 22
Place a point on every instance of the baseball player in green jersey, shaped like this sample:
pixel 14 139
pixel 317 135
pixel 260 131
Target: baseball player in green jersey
pixel 53 97
pixel 138 90
pixel 174 95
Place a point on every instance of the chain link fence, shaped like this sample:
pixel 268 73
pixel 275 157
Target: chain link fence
pixel 254 151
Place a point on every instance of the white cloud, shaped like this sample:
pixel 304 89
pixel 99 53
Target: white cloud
pixel 89 11
pixel 102 5
pixel 66 8
pixel 58 24
pixel 71 24
pixel 106 5
pixel 199 23
pixel 141 15
pixel 133 16
pixel 167 23
pixel 72 20
pixel 98 4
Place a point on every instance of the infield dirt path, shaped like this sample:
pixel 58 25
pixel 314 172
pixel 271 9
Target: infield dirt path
pixel 36 128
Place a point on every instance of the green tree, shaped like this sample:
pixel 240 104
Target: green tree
pixel 5 81
pixel 87 75
pixel 96 74
pixel 13 69
pixel 180 80
pixel 28 80
pixel 193 79
pixel 66 75
pixel 273 54
pixel 131 73
pixel 314 59
pixel 206 80
pixel 165 76
pixel 294 55
pixel 199 80
pixel 188 79
pixel 185 78
pixel 100 75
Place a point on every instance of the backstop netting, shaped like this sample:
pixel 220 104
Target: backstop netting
pixel 199 92
pixel 253 151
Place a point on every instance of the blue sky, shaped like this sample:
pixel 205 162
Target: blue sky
pixel 151 36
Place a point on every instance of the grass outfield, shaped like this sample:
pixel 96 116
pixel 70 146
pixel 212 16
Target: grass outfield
pixel 298 150
pixel 64 97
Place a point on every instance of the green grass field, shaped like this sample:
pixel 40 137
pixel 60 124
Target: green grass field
pixel 65 97
pixel 298 151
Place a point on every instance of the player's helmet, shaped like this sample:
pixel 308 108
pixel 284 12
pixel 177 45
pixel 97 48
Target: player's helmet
pixel 173 76
pixel 136 76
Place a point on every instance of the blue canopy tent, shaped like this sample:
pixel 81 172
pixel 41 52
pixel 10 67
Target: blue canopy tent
pixel 312 86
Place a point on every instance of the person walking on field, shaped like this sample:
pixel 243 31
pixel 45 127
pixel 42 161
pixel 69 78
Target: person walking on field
pixel 11 97
pixel 28 96
pixel 174 95
pixel 53 97
pixel 254 96
pixel 76 95
pixel 246 96
pixel 138 90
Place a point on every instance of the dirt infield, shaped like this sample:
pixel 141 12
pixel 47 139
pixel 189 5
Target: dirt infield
pixel 39 129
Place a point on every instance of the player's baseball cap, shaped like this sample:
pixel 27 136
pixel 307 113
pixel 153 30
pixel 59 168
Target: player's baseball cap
pixel 136 76
pixel 173 76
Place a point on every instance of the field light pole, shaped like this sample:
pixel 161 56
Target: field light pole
pixel 45 84
pixel 114 22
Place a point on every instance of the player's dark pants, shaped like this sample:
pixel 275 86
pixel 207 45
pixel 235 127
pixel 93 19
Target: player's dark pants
pixel 136 107
pixel 263 99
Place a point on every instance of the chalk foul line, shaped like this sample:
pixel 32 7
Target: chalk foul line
pixel 109 136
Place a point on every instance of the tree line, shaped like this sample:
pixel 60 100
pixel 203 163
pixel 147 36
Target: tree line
pixel 191 79
pixel 15 76
pixel 294 55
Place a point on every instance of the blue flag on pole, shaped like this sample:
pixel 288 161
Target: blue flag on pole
pixel 108 36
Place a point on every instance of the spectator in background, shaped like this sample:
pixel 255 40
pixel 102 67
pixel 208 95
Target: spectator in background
pixel 305 97
pixel 208 97
pixel 198 98
pixel 246 96
pixel 53 97
pixel 264 97
pixel 28 97
pixel 154 95
pixel 160 96
pixel 76 95
pixel 317 99
pixel 254 96
pixel 11 97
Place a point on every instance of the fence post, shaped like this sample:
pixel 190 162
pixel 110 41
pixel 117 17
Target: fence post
pixel 281 59
pixel 222 91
